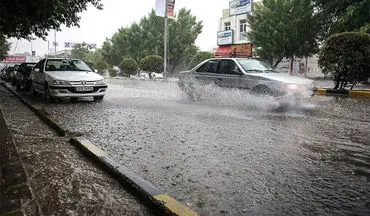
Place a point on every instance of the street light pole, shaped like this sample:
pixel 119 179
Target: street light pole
pixel 165 37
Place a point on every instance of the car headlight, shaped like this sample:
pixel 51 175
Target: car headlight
pixel 100 82
pixel 61 82
pixel 291 86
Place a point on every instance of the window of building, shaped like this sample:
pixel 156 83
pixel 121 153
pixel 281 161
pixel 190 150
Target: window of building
pixel 227 26
pixel 243 25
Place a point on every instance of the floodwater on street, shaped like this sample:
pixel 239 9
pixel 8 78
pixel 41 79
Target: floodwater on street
pixel 232 153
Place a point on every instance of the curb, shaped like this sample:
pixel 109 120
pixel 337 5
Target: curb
pixel 14 187
pixel 160 202
pixel 352 93
pixel 164 203
pixel 38 112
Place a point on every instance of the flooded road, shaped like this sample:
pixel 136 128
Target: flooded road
pixel 232 153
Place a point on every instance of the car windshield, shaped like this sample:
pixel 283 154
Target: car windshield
pixel 254 65
pixel 66 65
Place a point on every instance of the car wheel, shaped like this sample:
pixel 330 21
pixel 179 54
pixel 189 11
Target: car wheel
pixel 33 91
pixel 262 90
pixel 48 98
pixel 98 98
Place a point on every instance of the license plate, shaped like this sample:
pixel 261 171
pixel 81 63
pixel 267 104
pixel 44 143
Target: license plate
pixel 83 89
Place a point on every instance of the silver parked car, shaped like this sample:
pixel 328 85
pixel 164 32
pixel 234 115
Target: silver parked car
pixel 66 78
pixel 250 74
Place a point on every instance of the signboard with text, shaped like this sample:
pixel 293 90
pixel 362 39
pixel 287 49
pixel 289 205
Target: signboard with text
pixel 14 59
pixel 225 37
pixel 160 8
pixel 242 50
pixel 240 7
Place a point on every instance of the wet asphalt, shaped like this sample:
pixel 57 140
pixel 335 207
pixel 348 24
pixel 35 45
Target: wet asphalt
pixel 232 153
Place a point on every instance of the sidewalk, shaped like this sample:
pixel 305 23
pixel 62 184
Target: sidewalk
pixel 329 84
pixel 60 179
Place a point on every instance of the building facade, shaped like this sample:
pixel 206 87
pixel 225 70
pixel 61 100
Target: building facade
pixel 233 27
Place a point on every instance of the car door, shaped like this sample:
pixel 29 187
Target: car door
pixel 38 76
pixel 208 72
pixel 231 74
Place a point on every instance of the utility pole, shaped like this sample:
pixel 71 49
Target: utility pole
pixel 165 37
pixel 55 42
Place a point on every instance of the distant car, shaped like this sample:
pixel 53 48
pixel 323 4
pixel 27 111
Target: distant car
pixel 155 76
pixel 250 74
pixel 13 73
pixel 66 78
pixel 23 75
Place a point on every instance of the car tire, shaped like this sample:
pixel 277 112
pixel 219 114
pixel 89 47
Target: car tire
pixel 47 97
pixel 33 91
pixel 98 98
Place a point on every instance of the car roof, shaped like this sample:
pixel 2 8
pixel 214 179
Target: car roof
pixel 61 59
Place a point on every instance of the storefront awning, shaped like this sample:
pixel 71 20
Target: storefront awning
pixel 223 51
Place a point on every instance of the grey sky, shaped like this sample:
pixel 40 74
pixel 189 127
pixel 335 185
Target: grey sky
pixel 96 25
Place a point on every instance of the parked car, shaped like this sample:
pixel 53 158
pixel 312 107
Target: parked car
pixel 155 76
pixel 251 74
pixel 23 75
pixel 6 72
pixel 13 73
pixel 66 78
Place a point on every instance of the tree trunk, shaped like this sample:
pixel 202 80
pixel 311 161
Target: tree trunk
pixel 337 82
pixel 291 65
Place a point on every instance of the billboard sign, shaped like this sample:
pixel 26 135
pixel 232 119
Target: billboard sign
pixel 15 59
pixel 240 7
pixel 72 44
pixel 225 37
pixel 160 8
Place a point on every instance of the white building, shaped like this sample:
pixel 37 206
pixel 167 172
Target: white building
pixel 233 28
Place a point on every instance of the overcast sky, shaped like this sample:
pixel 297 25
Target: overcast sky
pixel 96 25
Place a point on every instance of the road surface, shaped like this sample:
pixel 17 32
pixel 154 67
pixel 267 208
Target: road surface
pixel 232 153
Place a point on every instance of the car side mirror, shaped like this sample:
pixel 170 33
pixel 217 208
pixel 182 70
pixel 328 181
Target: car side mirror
pixel 237 71
pixel 37 69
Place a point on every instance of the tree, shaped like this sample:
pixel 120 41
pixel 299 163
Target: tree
pixel 112 72
pixel 199 57
pixel 4 47
pixel 182 34
pixel 337 16
pixel 79 51
pixel 152 63
pixel 129 66
pixel 100 65
pixel 346 57
pixel 146 38
pixel 283 28
pixel 21 19
pixel 109 53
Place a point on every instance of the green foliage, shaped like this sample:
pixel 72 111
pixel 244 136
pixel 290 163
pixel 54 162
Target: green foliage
pixel 283 28
pixel 100 66
pixel 346 57
pixel 112 72
pixel 22 19
pixel 146 38
pixel 152 63
pixel 4 47
pixel 199 57
pixel 337 16
pixel 79 51
pixel 129 66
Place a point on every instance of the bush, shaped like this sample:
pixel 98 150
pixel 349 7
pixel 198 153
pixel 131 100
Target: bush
pixel 345 57
pixel 199 57
pixel 112 72
pixel 100 66
pixel 129 66
pixel 152 63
